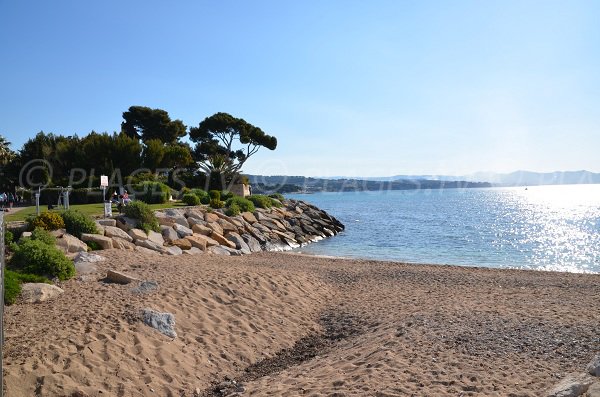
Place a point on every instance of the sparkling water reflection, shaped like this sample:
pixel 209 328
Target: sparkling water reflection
pixel 542 227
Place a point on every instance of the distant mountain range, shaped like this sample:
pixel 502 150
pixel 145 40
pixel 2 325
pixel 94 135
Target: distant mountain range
pixel 517 178
pixel 290 184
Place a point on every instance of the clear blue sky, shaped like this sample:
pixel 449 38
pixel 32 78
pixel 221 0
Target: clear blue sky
pixel 348 87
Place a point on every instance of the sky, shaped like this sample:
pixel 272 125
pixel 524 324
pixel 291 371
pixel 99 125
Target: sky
pixel 351 88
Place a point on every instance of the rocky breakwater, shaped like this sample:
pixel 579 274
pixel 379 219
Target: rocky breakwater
pixel 198 230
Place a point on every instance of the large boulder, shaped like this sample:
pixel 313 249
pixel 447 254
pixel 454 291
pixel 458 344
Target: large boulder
pixel 182 231
pixel 162 322
pixel 249 217
pixel 227 226
pixel 112 231
pixel 70 244
pixel 239 242
pixel 571 386
pixel 39 292
pixel 193 251
pixel 137 234
pixel 252 243
pixel 219 250
pixel 216 228
pixel 182 243
pixel 201 229
pixel 174 250
pixel 593 367
pixel 102 241
pixel 119 277
pixel 145 250
pixel 169 234
pixel 107 222
pixel 126 223
pixel 219 238
pixel 156 237
pixel 194 220
pixel 203 240
pixel 85 262
pixel 211 217
pixel 151 245
pixel 119 243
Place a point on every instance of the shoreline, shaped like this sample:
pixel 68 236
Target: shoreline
pixel 403 328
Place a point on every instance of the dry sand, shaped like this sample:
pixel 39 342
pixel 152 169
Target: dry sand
pixel 315 326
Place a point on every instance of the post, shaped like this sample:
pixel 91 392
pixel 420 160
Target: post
pixel 66 198
pixel 2 260
pixel 37 203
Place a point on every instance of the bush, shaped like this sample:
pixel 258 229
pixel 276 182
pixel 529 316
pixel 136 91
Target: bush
pixel 183 192
pixel 215 195
pixel 77 223
pixel 233 210
pixel 262 201
pixel 152 192
pixel 242 203
pixel 43 235
pixel 37 257
pixel 144 215
pixel 93 246
pixel 9 238
pixel 12 287
pixel 215 203
pixel 46 221
pixel 191 199
pixel 202 195
pixel 226 195
pixel 277 196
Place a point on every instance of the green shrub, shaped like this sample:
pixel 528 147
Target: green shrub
pixel 152 192
pixel 215 203
pixel 12 287
pixel 46 220
pixel 183 192
pixel 9 238
pixel 77 223
pixel 37 257
pixel 144 215
pixel 277 196
pixel 226 195
pixel 202 195
pixel 262 201
pixel 43 235
pixel 191 199
pixel 233 210
pixel 243 203
pixel 215 195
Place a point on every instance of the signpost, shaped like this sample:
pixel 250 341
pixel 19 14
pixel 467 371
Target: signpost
pixel 107 204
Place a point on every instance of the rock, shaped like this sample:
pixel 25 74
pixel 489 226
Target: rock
pixel 194 220
pixel 70 244
pixel 249 217
pixel 103 241
pixel 261 228
pixel 215 227
pixel 58 233
pixel 593 367
pixel 193 213
pixel 26 235
pixel 572 386
pixel 88 257
pixel 156 237
pixel 182 243
pixel 252 243
pixel 138 234
pixel 146 250
pixel 182 231
pixel 169 234
pixel 151 245
pixel 100 229
pixel 198 241
pixel 174 250
pixel 162 322
pixel 239 242
pixel 119 278
pixel 210 217
pixel 593 390
pixel 193 251
pixel 145 287
pixel 201 229
pixel 112 231
pixel 39 292
pixel 227 227
pixel 107 222
pixel 222 240
pixel 126 223
pixel 219 250
pixel 119 243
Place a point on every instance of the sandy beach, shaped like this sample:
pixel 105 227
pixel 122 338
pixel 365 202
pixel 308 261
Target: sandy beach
pixel 290 325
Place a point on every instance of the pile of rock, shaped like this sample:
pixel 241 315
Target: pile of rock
pixel 196 230
pixel 583 384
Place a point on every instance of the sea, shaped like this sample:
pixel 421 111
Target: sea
pixel 553 228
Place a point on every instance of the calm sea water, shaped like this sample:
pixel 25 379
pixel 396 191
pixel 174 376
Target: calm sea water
pixel 542 227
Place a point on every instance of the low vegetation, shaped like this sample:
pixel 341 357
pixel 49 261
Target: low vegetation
pixel 13 281
pixel 77 223
pixel 37 257
pixel 190 199
pixel 143 214
pixel 262 201
pixel 46 220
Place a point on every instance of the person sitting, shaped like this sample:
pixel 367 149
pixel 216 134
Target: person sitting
pixel 126 199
